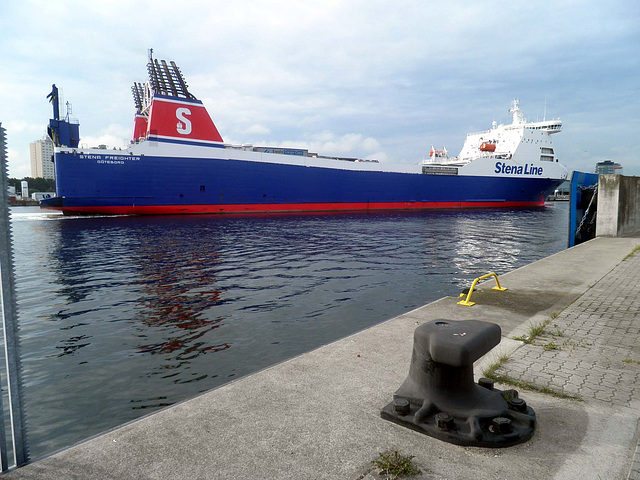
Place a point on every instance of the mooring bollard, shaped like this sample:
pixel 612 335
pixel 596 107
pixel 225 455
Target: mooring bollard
pixel 440 398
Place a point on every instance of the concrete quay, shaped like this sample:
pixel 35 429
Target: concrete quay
pixel 317 416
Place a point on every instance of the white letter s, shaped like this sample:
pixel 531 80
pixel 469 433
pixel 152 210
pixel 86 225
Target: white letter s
pixel 180 115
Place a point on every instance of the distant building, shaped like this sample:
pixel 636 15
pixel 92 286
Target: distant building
pixel 41 158
pixel 608 167
pixel 564 189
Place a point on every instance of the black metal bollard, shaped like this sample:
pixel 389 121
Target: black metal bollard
pixel 439 397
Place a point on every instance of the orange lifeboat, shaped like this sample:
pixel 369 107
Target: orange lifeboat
pixel 488 147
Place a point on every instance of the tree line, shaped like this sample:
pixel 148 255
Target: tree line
pixel 37 184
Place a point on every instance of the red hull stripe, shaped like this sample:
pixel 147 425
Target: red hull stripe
pixel 287 207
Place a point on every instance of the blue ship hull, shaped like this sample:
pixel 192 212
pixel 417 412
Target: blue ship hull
pixel 124 184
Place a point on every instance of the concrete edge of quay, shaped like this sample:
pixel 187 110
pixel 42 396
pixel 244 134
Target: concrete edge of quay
pixel 318 415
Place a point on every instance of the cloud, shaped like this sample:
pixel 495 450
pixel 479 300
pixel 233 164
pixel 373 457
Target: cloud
pixel 404 74
pixel 114 136
pixel 22 126
pixel 328 143
pixel 19 165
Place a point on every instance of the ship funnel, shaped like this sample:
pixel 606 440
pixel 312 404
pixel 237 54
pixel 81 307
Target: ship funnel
pixel 167 111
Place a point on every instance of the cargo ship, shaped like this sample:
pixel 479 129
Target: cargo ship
pixel 178 163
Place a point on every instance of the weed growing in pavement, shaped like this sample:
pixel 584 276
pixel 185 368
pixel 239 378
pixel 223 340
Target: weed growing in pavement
pixel 490 371
pixel 394 465
pixel 523 338
pixel 632 253
pixel 514 382
pixel 538 329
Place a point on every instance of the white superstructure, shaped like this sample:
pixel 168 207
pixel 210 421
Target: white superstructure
pixel 520 142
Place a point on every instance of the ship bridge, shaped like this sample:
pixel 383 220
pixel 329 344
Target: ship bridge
pixel 549 126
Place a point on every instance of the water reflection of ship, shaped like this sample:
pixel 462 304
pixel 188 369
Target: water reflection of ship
pixel 177 294
pixel 169 285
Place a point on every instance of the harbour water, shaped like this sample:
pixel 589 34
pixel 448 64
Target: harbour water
pixel 121 316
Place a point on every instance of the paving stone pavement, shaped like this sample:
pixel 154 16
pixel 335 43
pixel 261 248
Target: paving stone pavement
pixel 592 348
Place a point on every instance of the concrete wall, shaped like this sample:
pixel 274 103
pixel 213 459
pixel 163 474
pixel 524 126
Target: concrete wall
pixel 618 206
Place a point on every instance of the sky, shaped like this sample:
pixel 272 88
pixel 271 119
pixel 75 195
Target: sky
pixel 369 79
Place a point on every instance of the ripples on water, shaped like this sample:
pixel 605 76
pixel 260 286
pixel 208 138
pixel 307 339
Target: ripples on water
pixel 121 316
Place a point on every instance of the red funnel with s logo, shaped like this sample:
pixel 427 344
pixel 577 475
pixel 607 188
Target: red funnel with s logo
pixel 176 119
